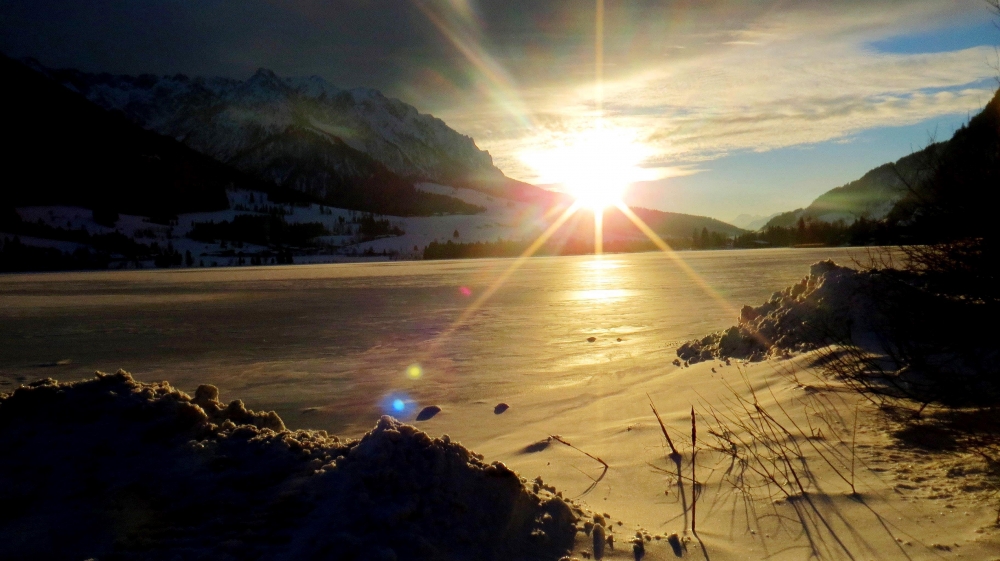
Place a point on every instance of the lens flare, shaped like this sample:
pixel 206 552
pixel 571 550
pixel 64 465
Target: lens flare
pixel 396 404
pixel 414 371
pixel 595 162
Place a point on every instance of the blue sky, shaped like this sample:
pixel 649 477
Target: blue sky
pixel 762 183
pixel 962 33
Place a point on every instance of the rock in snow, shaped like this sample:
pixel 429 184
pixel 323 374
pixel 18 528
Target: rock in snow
pixel 428 412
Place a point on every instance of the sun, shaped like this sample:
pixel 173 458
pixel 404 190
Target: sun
pixel 595 166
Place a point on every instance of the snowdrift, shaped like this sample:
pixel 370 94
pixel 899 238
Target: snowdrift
pixel 112 468
pixel 823 308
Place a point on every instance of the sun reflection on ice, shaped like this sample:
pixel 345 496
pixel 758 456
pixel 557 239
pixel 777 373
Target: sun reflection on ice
pixel 603 279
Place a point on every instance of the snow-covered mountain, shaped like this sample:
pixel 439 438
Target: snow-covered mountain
pixel 337 145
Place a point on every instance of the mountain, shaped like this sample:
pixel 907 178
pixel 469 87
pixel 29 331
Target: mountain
pixel 872 196
pixel 752 221
pixel 952 201
pixel 676 225
pixel 83 182
pixel 63 149
pixel 347 148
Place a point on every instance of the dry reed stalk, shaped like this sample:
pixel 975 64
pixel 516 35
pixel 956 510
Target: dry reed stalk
pixel 674 454
pixel 558 438
pixel 854 437
pixel 676 457
pixel 694 483
pixel 765 456
pixel 694 475
pixel 604 472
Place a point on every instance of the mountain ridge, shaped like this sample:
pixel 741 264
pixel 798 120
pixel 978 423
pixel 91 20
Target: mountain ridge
pixel 872 196
pixel 69 151
pixel 228 119
pixel 94 189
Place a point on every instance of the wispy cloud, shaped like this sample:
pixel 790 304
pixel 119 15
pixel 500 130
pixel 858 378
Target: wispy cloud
pixel 788 79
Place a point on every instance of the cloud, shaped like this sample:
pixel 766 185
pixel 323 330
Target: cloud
pixel 789 78
pixel 694 80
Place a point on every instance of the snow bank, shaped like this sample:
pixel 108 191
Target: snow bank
pixel 114 468
pixel 822 308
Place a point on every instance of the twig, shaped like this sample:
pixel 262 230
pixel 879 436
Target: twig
pixel 854 437
pixel 674 454
pixel 592 457
pixel 558 438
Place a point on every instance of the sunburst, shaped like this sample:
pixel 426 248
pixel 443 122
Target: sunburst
pixel 595 166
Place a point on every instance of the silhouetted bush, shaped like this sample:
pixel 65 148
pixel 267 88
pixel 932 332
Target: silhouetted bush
pixel 934 308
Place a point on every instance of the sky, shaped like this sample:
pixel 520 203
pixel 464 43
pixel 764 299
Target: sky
pixel 726 107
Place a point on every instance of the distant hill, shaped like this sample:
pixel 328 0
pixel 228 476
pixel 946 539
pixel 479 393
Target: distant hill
pixel 752 221
pixel 938 195
pixel 348 148
pixel 872 196
pixel 676 225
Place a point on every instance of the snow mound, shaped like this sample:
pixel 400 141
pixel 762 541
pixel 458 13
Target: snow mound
pixel 114 468
pixel 821 309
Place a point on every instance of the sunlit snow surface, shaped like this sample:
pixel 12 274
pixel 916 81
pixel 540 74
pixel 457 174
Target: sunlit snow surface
pixel 335 346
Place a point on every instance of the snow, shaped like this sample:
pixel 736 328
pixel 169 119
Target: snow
pixel 322 345
pixel 503 219
pixel 66 247
pixel 110 467
pixel 66 217
pixel 821 309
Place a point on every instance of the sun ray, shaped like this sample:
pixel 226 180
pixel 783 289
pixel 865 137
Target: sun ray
pixel 518 262
pixel 598 231
pixel 665 247
pixel 599 105
pixel 599 62
pixel 502 88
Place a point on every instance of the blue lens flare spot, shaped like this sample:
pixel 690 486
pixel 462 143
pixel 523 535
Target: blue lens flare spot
pixel 396 404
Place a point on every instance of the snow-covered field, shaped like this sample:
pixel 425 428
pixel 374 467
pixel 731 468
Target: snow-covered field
pixel 334 347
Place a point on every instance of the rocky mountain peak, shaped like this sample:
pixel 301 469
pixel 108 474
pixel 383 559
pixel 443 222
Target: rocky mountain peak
pixel 332 137
pixel 264 86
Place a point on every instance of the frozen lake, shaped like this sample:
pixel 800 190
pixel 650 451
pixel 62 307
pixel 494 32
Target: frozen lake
pixel 330 346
